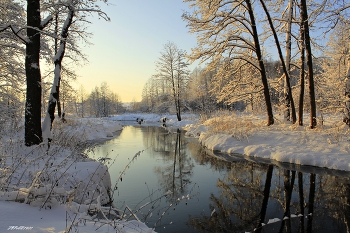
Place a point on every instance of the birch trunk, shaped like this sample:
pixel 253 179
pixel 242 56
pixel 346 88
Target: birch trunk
pixel 50 114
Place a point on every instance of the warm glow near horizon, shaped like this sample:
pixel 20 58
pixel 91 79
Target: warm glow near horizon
pixel 125 50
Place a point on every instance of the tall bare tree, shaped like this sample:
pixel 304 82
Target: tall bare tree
pixel 75 9
pixel 302 69
pixel 285 65
pixel 347 92
pixel 228 29
pixel 172 68
pixel 305 21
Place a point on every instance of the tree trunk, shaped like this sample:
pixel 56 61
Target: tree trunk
pixel 33 133
pixel 270 119
pixel 311 202
pixel 176 102
pixel 301 201
pixel 178 99
pixel 266 197
pixel 288 190
pixel 347 94
pixel 289 99
pixel 50 115
pixel 288 96
pixel 59 111
pixel 309 62
pixel 302 69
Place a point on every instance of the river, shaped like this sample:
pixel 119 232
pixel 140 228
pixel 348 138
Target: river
pixel 172 183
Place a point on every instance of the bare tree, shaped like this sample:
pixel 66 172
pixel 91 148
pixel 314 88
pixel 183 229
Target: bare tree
pixel 103 102
pixel 12 71
pixel 289 102
pixel 199 90
pixel 172 68
pixel 347 88
pixel 229 29
pixel 302 69
pixel 82 94
pixel 74 10
pixel 305 21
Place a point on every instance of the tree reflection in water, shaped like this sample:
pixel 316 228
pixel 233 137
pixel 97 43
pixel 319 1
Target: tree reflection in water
pixel 255 197
pixel 175 173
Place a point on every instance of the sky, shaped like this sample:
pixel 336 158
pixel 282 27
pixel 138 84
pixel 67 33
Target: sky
pixel 125 50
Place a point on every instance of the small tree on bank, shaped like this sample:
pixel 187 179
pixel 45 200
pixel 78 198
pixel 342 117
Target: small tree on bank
pixel 172 69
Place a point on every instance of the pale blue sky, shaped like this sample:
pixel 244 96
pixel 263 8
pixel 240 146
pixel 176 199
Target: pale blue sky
pixel 126 48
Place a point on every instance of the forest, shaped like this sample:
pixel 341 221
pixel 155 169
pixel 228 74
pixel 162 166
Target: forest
pixel 285 57
pixel 273 57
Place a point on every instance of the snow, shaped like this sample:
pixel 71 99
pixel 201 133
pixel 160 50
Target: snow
pixel 327 146
pixel 48 191
pixel 96 128
pixel 274 220
pixel 82 183
pixel 35 65
pixel 46 128
pixel 46 21
pixel 16 215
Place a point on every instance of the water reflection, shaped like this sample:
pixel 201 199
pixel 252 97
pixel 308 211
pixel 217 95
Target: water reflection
pixel 265 198
pixel 233 194
pixel 176 171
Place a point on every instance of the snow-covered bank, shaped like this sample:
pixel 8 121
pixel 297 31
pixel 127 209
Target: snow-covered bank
pixel 327 146
pixel 48 191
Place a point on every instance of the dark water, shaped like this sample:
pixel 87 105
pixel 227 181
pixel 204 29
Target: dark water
pixel 209 194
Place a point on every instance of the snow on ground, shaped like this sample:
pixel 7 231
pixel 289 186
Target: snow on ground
pixel 95 128
pixel 24 218
pixel 48 191
pixel 327 146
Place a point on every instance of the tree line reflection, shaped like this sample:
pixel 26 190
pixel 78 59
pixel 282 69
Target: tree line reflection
pixel 175 173
pixel 253 197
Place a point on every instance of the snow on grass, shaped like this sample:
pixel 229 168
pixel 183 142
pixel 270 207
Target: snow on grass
pixel 95 128
pixel 326 146
pixel 51 191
